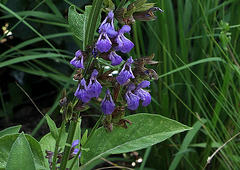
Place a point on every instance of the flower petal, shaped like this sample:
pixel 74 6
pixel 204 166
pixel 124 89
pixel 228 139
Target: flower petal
pixel 107 105
pixel 103 44
pixel 132 100
pixel 81 92
pixel 115 59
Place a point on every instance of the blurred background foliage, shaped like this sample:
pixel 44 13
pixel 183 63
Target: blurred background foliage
pixel 196 43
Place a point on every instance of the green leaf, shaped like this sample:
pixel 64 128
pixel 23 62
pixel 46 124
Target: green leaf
pixel 6 143
pixel 52 127
pixel 21 156
pixel 84 137
pixel 10 130
pixel 78 22
pixel 48 142
pixel 146 130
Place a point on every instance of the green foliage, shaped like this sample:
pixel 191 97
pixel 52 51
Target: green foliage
pixel 20 156
pixel 52 126
pixel 10 130
pixel 78 22
pixel 145 131
pixel 19 151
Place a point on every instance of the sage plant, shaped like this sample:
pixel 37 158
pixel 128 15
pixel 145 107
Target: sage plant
pixel 124 90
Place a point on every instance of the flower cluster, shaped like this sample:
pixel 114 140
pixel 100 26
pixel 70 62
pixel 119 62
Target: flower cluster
pixel 94 88
pixel 109 42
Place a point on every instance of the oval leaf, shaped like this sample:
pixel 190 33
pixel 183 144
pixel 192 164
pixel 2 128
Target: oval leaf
pixel 146 130
pixel 21 156
pixel 10 130
pixel 6 143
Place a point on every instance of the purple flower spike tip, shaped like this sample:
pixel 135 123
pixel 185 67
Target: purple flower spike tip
pixel 124 44
pixel 82 92
pixel 77 61
pixel 126 72
pixel 115 59
pixel 108 26
pixel 142 94
pixel 94 87
pixel 107 104
pixel 132 99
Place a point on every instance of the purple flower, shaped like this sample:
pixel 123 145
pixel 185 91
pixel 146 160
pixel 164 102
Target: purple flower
pixel 115 59
pixel 82 92
pixel 126 72
pixel 124 44
pixel 132 99
pixel 103 44
pixel 107 104
pixel 108 26
pixel 73 149
pixel 142 94
pixel 94 87
pixel 77 61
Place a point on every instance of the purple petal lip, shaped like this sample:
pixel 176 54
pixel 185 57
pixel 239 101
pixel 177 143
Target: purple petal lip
pixel 115 59
pixel 144 96
pixel 132 100
pixel 77 61
pixel 127 45
pixel 123 77
pixel 81 92
pixel 103 44
pixel 107 105
pixel 94 87
pixel 126 72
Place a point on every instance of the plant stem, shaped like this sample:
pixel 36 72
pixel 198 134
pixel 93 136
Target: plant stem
pixel 57 145
pixel 67 148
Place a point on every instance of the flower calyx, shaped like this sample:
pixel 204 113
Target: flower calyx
pixel 141 71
